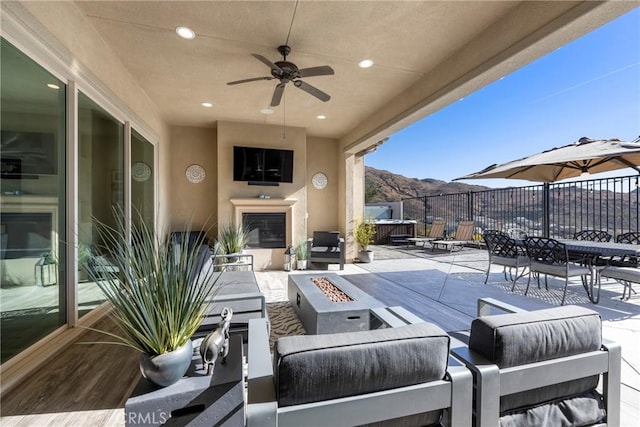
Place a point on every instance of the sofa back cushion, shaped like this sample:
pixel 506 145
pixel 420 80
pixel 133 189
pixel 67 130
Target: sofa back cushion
pixel 534 336
pixel 312 368
pixel 326 238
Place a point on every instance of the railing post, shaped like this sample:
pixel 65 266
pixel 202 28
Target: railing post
pixel 546 205
pixel 470 206
pixel 424 210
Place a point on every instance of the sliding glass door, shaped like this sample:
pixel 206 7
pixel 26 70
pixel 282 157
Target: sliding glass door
pixel 100 189
pixel 32 201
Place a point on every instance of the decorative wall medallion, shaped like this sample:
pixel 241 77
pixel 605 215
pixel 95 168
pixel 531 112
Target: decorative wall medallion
pixel 319 180
pixel 140 172
pixel 195 173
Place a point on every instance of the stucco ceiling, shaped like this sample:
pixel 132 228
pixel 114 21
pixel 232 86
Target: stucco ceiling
pixel 406 39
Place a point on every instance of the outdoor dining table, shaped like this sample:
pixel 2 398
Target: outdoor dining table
pixel 592 251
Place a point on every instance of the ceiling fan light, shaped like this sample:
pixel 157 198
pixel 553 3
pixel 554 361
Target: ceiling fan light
pixel 365 63
pixel 321 117
pixel 186 33
pixel 585 172
pixel 207 104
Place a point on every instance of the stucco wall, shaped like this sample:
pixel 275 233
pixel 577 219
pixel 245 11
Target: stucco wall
pixel 195 203
pixel 268 136
pixel 322 205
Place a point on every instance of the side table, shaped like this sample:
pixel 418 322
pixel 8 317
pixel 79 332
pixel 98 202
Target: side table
pixel 195 400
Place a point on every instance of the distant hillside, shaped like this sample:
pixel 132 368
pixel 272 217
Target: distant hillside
pixel 384 186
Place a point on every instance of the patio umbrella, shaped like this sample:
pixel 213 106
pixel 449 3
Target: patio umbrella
pixel 585 156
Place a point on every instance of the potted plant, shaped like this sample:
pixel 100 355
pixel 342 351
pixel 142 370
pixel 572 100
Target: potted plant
pixel 158 295
pixel 232 239
pixel 302 254
pixel 363 234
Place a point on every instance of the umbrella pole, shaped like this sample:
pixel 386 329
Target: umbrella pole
pixel 546 206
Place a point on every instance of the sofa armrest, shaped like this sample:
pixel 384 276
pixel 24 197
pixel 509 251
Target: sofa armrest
pixel 485 304
pixel 243 297
pixel 493 382
pixel 262 408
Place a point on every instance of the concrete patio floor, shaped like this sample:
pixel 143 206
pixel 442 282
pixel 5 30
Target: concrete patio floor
pixel 443 288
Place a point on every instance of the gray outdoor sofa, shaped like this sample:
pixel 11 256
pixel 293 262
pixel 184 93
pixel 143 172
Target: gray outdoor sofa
pixel 401 376
pixel 542 368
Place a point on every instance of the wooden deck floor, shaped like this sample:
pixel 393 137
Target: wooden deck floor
pixel 87 385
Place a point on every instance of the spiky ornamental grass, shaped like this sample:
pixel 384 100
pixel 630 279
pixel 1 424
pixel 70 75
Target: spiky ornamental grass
pixel 159 292
pixel 233 237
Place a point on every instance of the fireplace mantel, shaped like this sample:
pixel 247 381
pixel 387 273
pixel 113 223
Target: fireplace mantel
pixel 271 205
pixel 256 201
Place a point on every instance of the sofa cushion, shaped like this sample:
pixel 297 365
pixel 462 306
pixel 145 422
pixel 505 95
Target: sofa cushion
pixel 314 368
pixel 325 252
pixel 582 410
pixel 326 238
pixel 521 338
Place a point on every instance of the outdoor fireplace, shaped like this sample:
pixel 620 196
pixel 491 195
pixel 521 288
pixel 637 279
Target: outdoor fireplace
pixel 265 229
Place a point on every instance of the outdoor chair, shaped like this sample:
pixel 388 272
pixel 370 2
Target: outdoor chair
pixel 592 235
pixel 463 236
pixel 551 258
pixel 542 368
pixel 624 269
pixel 391 376
pixel 504 251
pixel 326 247
pixel 631 238
pixel 626 276
pixel 193 239
pixel 436 232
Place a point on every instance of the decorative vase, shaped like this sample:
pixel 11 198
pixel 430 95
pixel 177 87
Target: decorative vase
pixel 365 256
pixel 302 264
pixel 167 368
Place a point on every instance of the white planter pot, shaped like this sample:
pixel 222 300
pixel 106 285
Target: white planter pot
pixel 365 256
pixel 302 264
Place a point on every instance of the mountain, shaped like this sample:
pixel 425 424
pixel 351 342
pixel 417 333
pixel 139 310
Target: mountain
pixel 384 186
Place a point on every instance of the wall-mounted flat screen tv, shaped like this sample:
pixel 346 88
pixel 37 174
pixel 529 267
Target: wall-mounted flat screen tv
pixel 262 165
pixel 27 154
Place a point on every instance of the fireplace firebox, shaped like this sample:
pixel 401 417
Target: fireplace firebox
pixel 265 230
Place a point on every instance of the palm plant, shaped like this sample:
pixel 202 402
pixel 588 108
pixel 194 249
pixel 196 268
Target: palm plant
pixel 158 293
pixel 233 238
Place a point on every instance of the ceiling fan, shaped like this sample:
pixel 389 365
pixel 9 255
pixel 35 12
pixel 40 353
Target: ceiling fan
pixel 286 72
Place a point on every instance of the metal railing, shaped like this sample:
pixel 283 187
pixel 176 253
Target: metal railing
pixel 553 210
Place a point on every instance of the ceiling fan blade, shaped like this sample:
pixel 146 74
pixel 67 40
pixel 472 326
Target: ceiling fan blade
pixel 265 61
pixel 323 70
pixel 312 90
pixel 250 80
pixel 277 95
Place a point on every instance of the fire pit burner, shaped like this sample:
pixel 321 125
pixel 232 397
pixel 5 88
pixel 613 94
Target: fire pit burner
pixel 330 290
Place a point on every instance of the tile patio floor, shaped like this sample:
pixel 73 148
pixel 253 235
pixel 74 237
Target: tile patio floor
pixel 443 288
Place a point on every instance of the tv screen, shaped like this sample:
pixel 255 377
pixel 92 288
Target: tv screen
pixel 255 164
pixel 26 154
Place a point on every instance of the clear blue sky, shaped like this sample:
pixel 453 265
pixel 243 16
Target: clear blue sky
pixel 590 87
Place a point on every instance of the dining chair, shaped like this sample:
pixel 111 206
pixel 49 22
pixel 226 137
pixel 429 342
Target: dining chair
pixel 592 235
pixel 504 251
pixel 551 258
pixel 624 269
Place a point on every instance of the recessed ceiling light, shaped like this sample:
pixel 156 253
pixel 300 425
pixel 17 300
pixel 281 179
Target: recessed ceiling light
pixel 321 117
pixel 365 63
pixel 52 86
pixel 267 111
pixel 207 104
pixel 186 33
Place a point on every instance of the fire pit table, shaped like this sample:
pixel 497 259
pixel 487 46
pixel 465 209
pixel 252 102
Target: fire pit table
pixel 310 295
